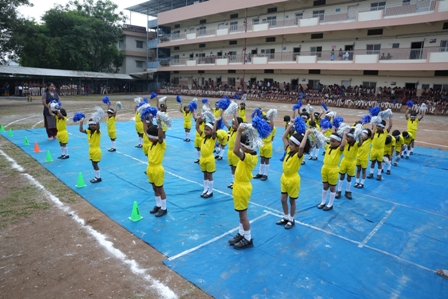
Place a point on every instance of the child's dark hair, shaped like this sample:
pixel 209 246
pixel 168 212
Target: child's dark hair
pixel 63 112
pixel 405 134
pixel 245 140
pixel 239 120
pixel 396 134
pixel 286 118
pixel 312 124
pixel 299 137
pixel 388 139
pixel 153 130
pixel 369 132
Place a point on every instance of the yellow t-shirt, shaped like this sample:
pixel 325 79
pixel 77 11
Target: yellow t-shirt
pixel 94 138
pixel 412 125
pixel 156 152
pixel 61 123
pixel 332 156
pixel 111 124
pixel 270 136
pixel 364 150
pixel 291 163
pixel 232 138
pixel 201 126
pixel 207 146
pixel 242 114
pixel 379 139
pixel 138 123
pixel 217 112
pixel 244 168
pixel 351 151
pixel 388 147
pixel 408 140
pixel 222 136
pixel 399 143
pixel 187 116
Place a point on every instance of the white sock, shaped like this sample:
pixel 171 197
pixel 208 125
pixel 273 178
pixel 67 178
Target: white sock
pixel 332 196
pixel 372 170
pixel 266 169
pixel 340 185
pixel 241 230
pixel 316 152
pixel 379 171
pixel 362 181
pixel 357 181
pixel 324 196
pixel 233 178
pixel 409 152
pixel 188 135
pixel 140 140
pixel 397 159
pixel 199 154
pixel 347 187
pixel 163 202
pixel 247 235
pixel 97 174
pixel 158 201
pixel 221 153
pixel 205 186
pixel 114 143
pixel 66 150
pixel 62 151
pixel 412 149
pixel 210 187
pixel 261 171
pixel 389 166
pixel 291 218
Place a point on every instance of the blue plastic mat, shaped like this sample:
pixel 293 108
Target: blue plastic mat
pixel 386 242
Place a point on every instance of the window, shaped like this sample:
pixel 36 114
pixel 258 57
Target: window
pixel 270 53
pixel 317 35
pixel 176 72
pixel 272 9
pixel 233 26
pixel 176 26
pixel 298 16
pixel 377 6
pixel 232 55
pixel 139 44
pixel 268 71
pixel 176 80
pixel 203 21
pixel 271 20
pixel 233 42
pixel 373 49
pixel 231 81
pixel 221 26
pixel 319 2
pixel 201 45
pixel 121 44
pixel 234 16
pixel 177 48
pixel 139 63
pixel 316 51
pixel 445 25
pixel 270 39
pixel 370 73
pixel 295 53
pixel 406 2
pixel 319 14
pixel 369 84
pixel 375 32
pixel 314 72
pixel 202 30
pixel 255 21
pixel 444 46
pixel 231 71
pixel 201 72
pixel 395 46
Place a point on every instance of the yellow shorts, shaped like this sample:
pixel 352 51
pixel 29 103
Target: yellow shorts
pixel 156 174
pixel 330 175
pixel 290 185
pixel 95 154
pixel 207 164
pixel 398 148
pixel 377 154
pixel 363 163
pixel 139 127
pixel 232 158
pixel 187 125
pixel 241 193
pixel 266 150
pixel 112 134
pixel 223 142
pixel 197 142
pixel 63 136
pixel 414 134
pixel 348 167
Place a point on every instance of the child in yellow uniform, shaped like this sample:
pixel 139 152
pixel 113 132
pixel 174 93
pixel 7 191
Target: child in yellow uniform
pixel 94 139
pixel 242 111
pixel 62 135
pixel 329 172
pixel 399 141
pixel 207 161
pixel 231 157
pixel 155 170
pixel 408 140
pixel 296 146
pixel 378 141
pixel 412 120
pixel 222 138
pixel 242 188
pixel 389 149
pixel 138 128
pixel 348 163
pixel 266 152
pixel 111 128
pixel 198 138
pixel 362 158
pixel 187 121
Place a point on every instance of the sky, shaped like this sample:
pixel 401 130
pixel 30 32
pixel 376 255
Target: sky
pixel 41 6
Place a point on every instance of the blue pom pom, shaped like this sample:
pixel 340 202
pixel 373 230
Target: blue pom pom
pixel 283 157
pixel 337 121
pixel 106 100
pixel 179 99
pixel 145 100
pixel 153 95
pixel 140 104
pixel 193 106
pixel 236 96
pixel 204 101
pixel 409 103
pixel 297 106
pixel 325 124
pixel 325 107
pixel 374 111
pixel 263 128
pixel 299 125
pixel 257 112
pixel 366 119
pixel 223 103
pixel 220 124
pixel 147 112
pixel 78 116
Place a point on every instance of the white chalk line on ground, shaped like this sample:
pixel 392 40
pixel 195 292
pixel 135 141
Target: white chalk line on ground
pixel 212 240
pixel 377 227
pixel 163 290
pixel 13 122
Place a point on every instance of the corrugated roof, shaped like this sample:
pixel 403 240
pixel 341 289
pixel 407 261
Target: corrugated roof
pixel 32 71
pixel 153 7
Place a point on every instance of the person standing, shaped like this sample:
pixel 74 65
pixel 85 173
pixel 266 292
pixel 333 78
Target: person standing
pixel 49 121
pixel 6 89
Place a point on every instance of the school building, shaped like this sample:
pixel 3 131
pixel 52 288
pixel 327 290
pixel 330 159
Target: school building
pixel 370 43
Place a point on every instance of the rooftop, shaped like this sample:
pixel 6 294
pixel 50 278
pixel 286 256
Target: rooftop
pixel 153 7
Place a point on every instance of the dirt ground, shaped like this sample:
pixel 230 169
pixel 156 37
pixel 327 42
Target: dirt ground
pixel 45 253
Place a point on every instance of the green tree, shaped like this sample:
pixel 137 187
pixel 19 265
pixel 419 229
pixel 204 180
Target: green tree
pixel 79 36
pixel 10 23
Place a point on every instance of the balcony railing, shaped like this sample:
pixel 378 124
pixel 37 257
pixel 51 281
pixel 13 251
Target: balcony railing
pixel 389 11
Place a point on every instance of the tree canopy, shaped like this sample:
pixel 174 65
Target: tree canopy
pixel 79 36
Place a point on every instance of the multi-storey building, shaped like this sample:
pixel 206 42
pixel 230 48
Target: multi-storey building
pixel 372 43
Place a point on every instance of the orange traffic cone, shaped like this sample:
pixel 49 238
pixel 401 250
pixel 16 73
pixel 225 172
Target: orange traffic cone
pixel 36 148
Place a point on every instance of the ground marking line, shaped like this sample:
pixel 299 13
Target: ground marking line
pixel 212 240
pixel 34 126
pixel 377 227
pixel 20 120
pixel 163 290
pixel 435 131
pixel 431 143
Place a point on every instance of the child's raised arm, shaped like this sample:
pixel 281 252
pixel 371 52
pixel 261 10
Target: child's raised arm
pixel 237 146
pixel 81 129
pixel 303 143
pixel 285 134
pixel 198 122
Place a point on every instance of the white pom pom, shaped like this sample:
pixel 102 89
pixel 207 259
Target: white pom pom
pixel 331 114
pixel 209 116
pixel 244 97
pixel 161 100
pixel 98 114
pixel 231 110
pixel 271 112
pixel 385 114
pixel 119 105
pixel 252 134
pixel 358 130
pixel 164 117
pixel 138 100
pixel 375 120
pixel 142 107
pixel 321 140
pixel 195 100
pixel 54 106
pixel 343 127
